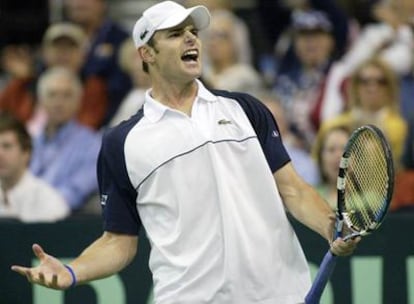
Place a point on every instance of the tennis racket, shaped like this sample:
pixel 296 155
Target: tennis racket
pixel 364 186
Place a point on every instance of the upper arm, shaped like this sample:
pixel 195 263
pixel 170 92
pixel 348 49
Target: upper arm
pixel 118 195
pixel 291 186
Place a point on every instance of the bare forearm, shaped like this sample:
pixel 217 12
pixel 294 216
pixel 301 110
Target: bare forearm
pixel 313 212
pixel 304 203
pixel 106 256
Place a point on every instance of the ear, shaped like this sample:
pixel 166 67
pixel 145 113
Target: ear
pixel 147 54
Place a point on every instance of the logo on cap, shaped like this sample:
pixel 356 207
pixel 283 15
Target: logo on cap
pixel 143 34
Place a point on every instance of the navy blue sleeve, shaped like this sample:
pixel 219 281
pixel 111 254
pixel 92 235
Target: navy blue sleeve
pixel 265 127
pixel 118 196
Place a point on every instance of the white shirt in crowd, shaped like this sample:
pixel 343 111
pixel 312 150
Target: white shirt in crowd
pixel 33 200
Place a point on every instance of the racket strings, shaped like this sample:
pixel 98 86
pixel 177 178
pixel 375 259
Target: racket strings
pixel 366 182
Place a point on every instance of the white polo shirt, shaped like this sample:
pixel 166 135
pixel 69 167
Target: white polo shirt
pixel 202 187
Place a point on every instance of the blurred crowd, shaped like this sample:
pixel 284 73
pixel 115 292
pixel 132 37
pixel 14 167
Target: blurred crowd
pixel 322 67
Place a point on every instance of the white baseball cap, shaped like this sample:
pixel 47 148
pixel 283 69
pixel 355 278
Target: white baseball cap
pixel 64 30
pixel 164 15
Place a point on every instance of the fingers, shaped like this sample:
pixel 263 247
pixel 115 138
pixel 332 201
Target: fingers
pixel 37 274
pixel 343 248
pixel 38 251
pixel 19 269
pixel 37 277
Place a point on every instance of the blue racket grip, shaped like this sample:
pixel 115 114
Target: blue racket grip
pixel 324 273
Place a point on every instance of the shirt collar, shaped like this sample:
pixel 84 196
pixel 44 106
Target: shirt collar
pixel 154 110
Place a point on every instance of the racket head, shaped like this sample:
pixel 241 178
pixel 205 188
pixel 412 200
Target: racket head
pixel 365 181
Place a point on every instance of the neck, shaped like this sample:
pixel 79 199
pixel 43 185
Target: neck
pixel 11 181
pixel 52 129
pixel 178 97
pixel 220 66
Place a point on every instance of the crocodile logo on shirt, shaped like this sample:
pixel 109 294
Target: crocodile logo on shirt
pixel 224 122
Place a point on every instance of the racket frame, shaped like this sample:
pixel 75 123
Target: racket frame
pixel 329 261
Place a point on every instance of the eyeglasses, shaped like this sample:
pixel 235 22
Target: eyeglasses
pixel 379 81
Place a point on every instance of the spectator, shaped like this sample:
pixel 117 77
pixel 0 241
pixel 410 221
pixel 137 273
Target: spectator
pixel 276 19
pixel 299 86
pixel 104 40
pixel 328 155
pixel 63 45
pixel 390 38
pixel 373 99
pixel 65 152
pixel 16 96
pixel 225 69
pixel 241 34
pixel 131 63
pixel 24 196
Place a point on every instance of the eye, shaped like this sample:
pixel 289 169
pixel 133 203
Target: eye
pixel 175 34
pixel 194 32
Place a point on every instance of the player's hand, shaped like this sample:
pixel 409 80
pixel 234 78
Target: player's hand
pixel 340 247
pixel 50 272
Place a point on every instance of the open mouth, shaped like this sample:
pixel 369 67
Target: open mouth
pixel 190 55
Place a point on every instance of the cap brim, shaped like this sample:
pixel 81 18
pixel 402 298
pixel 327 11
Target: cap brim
pixel 54 38
pixel 199 14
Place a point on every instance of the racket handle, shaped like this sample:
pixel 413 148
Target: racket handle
pixel 324 273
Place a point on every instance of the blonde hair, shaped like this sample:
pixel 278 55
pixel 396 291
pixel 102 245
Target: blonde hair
pixel 391 82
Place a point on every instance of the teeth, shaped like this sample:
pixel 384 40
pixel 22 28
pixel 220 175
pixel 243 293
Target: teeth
pixel 191 53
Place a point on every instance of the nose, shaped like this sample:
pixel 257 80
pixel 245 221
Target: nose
pixel 189 36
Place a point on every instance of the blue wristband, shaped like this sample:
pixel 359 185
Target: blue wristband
pixel 72 273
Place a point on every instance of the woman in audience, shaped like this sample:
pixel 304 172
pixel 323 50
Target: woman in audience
pixel 373 99
pixel 328 155
pixel 224 68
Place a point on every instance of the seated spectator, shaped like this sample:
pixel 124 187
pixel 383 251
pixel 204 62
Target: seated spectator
pixel 65 152
pixel 24 196
pixel 389 38
pixel 299 86
pixel 16 97
pixel 373 99
pixel 241 32
pixel 104 38
pixel 328 155
pixel 301 159
pixel 131 63
pixel 276 18
pixel 63 45
pixel 224 68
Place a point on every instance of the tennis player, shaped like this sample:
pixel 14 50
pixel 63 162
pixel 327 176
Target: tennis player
pixel 206 174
